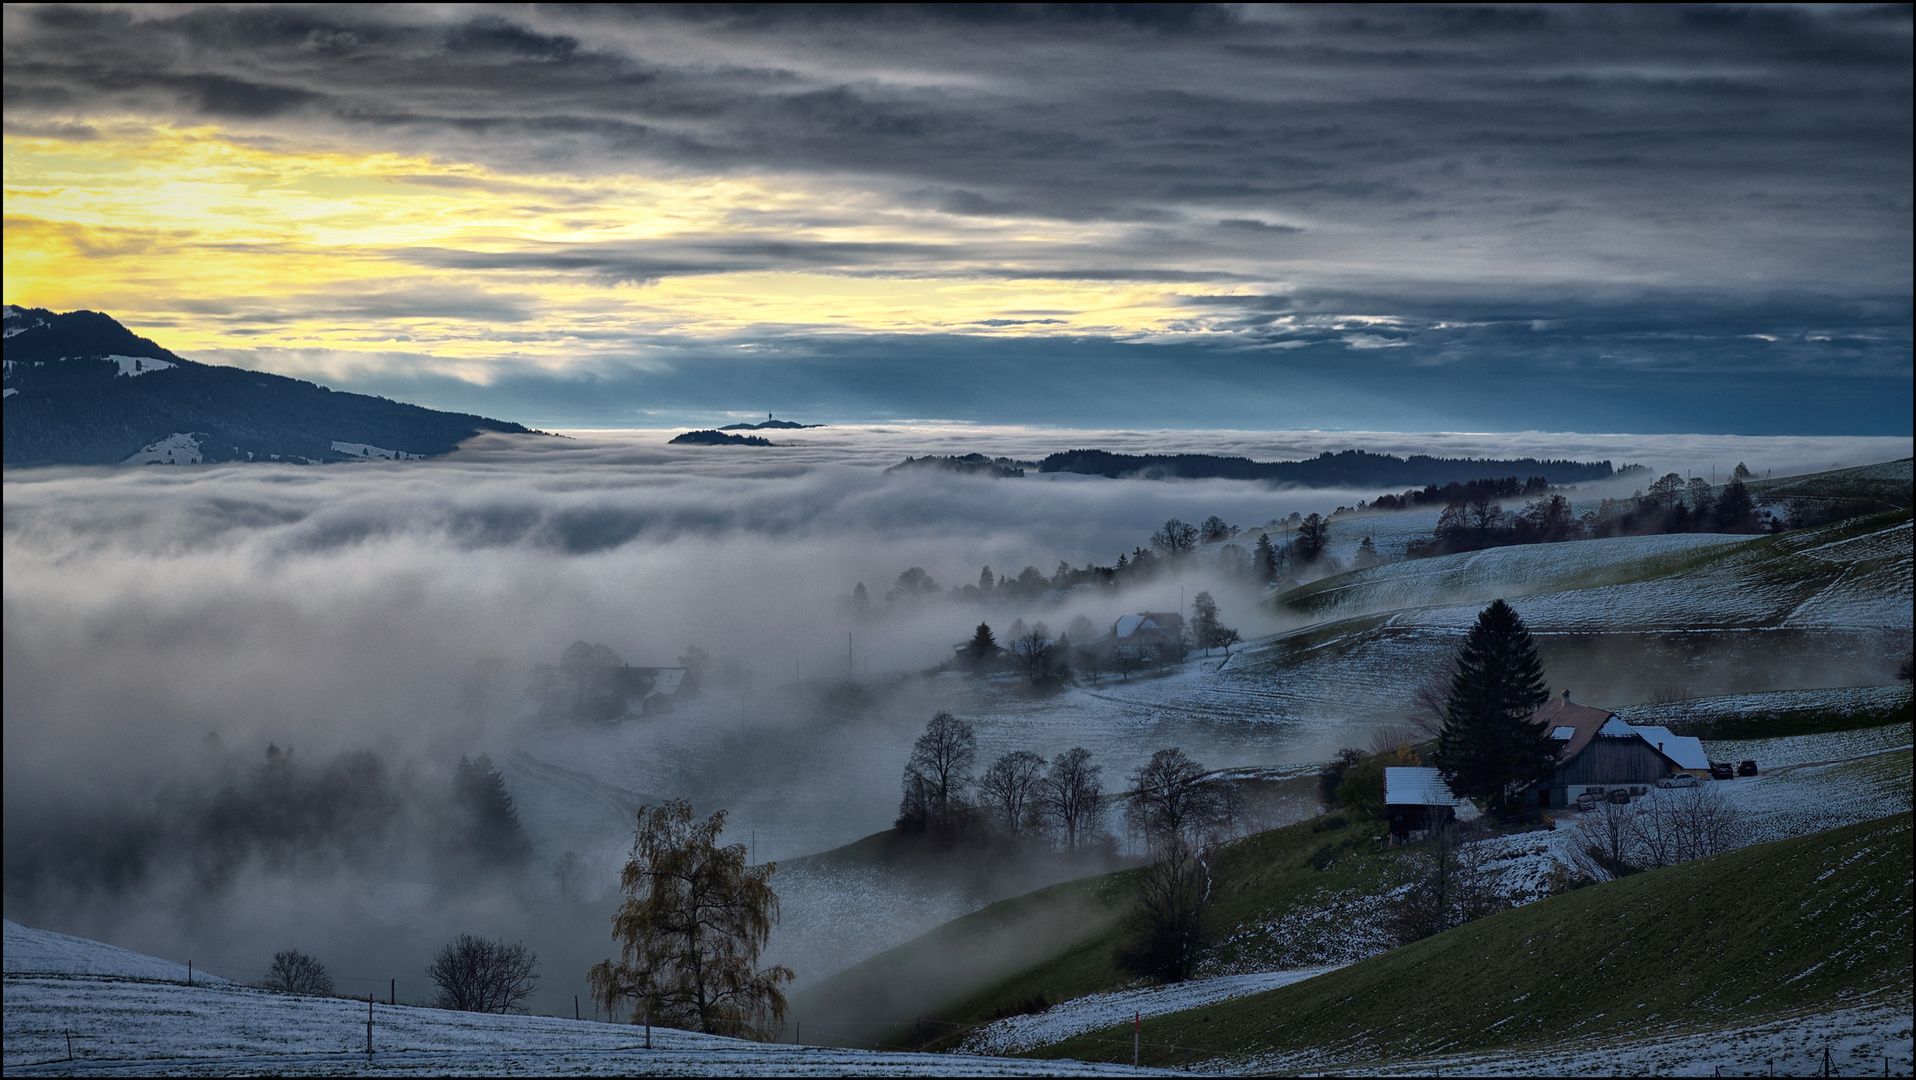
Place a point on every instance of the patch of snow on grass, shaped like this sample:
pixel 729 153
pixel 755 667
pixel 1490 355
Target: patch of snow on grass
pixel 131 366
pixel 1014 1034
pixel 369 451
pixel 178 448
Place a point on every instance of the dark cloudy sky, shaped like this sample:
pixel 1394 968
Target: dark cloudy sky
pixel 1594 219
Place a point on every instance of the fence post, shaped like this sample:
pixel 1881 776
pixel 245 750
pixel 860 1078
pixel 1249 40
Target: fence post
pixel 70 1052
pixel 1137 1018
pixel 189 973
pixel 575 1006
pixel 369 1027
pixel 393 992
pixel 648 1033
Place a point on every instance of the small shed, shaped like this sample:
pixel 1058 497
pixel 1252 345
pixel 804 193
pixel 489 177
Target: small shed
pixel 1417 800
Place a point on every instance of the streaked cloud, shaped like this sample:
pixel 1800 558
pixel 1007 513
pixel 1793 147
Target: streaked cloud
pixel 564 192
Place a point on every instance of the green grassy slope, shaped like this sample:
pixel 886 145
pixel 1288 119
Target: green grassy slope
pixel 1056 943
pixel 1798 923
pixel 1780 713
pixel 1774 573
pixel 1886 481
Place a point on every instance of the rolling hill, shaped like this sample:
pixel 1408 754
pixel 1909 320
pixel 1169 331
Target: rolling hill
pixel 1810 923
pixel 81 389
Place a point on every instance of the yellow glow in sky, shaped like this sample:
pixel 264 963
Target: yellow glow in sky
pixel 207 243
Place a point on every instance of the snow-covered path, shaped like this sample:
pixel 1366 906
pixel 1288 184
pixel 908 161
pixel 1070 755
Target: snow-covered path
pixel 1097 1011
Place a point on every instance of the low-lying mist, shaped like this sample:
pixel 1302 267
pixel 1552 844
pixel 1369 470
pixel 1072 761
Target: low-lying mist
pixel 165 628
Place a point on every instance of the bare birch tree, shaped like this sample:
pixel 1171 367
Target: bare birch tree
pixel 694 921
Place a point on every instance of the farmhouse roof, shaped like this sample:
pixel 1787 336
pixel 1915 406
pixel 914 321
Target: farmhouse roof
pixel 1686 751
pixel 1415 786
pixel 1146 620
pixel 1583 723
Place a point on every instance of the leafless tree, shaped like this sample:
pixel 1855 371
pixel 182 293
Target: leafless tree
pixel 1430 699
pixel 1172 799
pixel 568 872
pixel 293 972
pixel 938 772
pixel 1661 829
pixel 476 975
pixel 1450 884
pixel 1073 795
pixel 1607 836
pixel 1013 787
pixel 1676 825
pixel 1035 654
pixel 1165 931
pixel 1175 538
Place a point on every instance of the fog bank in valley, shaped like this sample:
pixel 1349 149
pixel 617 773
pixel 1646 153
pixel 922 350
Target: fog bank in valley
pixel 165 627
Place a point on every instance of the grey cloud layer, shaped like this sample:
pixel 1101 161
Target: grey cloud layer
pixel 1525 128
pixel 1716 190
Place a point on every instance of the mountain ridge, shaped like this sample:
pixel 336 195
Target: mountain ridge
pixel 81 389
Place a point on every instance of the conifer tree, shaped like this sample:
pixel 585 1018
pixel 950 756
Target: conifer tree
pixel 491 822
pixel 1264 560
pixel 982 647
pixel 1489 749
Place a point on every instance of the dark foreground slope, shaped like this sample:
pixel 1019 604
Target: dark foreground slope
pixel 1056 943
pixel 83 390
pixel 1813 922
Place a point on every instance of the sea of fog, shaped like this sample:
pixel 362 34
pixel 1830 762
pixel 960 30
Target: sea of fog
pixel 164 625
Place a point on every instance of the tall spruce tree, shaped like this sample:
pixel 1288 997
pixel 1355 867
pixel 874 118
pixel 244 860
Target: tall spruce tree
pixel 1488 748
pixel 1264 560
pixel 982 649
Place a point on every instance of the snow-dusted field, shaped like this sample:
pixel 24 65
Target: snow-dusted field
pixel 1614 584
pixel 1868 1040
pixel 1809 783
pixel 1096 1011
pixel 1849 699
pixel 133 1015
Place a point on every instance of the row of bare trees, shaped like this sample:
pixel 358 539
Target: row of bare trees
pixel 1020 794
pixel 1666 827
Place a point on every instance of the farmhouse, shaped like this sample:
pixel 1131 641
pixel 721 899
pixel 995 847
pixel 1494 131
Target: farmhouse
pixel 1148 635
pixel 1416 800
pixel 1599 750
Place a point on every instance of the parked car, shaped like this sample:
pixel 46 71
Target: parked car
pixel 1722 770
pixel 1588 801
pixel 1748 768
pixel 1620 795
pixel 1680 780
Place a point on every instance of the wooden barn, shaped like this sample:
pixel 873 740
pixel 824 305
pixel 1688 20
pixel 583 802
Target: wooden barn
pixel 1601 751
pixel 1417 800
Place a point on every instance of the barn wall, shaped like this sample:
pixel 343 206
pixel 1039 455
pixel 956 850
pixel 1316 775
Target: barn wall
pixel 1613 761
